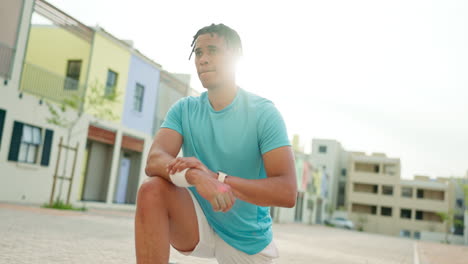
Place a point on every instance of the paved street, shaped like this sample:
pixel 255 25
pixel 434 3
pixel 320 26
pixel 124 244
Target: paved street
pixel 36 235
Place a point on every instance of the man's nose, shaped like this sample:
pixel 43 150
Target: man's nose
pixel 203 59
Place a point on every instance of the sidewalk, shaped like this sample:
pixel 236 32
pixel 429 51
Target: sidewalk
pixel 36 235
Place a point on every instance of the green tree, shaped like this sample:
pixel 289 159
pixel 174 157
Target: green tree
pixel 361 220
pixel 95 102
pixel 449 220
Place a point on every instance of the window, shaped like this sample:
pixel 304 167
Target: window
pixel 30 142
pixel 417 235
pixel 386 211
pixel 322 149
pixel 2 122
pixel 341 194
pixel 405 213
pixel 343 172
pixel 25 143
pixel 387 190
pixel 111 83
pixel 407 192
pixel 138 97
pixel 428 216
pixel 73 75
pixel 405 233
pixel 420 193
pixel 364 208
pixel 390 169
pixel 419 215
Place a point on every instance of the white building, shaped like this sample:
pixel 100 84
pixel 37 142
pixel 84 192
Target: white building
pixel 29 144
pixel 330 156
pixel 311 203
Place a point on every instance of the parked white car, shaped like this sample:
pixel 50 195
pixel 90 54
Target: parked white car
pixel 340 222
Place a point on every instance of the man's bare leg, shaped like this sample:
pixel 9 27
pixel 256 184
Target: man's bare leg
pixel 165 215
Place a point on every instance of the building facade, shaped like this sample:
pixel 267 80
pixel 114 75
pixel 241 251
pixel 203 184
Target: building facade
pixel 43 66
pixel 330 156
pixel 28 143
pixel 379 201
pixel 172 88
pixel 312 186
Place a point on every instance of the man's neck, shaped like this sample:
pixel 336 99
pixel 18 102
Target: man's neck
pixel 222 96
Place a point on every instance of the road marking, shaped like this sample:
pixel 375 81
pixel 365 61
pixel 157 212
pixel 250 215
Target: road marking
pixel 416 254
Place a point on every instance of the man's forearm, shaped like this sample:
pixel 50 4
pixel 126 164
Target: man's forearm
pixel 273 191
pixel 157 163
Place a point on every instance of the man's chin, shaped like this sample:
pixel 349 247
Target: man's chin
pixel 209 85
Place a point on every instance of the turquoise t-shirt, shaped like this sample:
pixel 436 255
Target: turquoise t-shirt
pixel 233 141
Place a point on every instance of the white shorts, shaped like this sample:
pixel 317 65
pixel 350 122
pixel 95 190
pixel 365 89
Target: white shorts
pixel 212 246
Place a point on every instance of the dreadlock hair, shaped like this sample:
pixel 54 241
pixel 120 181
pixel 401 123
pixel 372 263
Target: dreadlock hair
pixel 230 36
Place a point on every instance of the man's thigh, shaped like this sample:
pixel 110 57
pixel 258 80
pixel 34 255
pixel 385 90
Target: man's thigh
pixel 183 223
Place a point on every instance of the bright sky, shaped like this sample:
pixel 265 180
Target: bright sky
pixel 378 76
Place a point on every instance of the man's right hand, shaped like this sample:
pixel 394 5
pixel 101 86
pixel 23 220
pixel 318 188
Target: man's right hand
pixel 217 193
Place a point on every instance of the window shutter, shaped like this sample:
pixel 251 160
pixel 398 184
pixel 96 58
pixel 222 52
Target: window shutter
pixel 2 122
pixel 15 141
pixel 47 147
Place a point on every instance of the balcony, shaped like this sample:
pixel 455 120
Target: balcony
pixel 363 208
pixel 7 55
pixel 365 188
pixel 45 84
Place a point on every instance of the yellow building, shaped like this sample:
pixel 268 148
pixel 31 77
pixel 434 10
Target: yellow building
pixel 68 64
pixel 379 201
pixel 108 71
pixel 56 63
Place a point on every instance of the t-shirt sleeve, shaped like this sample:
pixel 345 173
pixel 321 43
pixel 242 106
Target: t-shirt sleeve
pixel 173 118
pixel 272 131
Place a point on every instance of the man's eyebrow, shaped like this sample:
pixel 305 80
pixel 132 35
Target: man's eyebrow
pixel 197 49
pixel 212 47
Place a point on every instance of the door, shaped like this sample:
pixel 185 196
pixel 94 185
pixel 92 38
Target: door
pixel 299 207
pixel 123 180
pixel 97 172
pixel 318 214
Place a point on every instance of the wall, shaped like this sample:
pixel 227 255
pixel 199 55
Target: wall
pixel 10 15
pixel 147 75
pixel 332 160
pixel 167 96
pixel 109 53
pixel 50 47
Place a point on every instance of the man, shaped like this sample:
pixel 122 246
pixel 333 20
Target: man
pixel 237 163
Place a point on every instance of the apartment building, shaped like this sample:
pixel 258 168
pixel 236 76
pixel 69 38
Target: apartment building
pixel 379 201
pixel 330 156
pixel 312 186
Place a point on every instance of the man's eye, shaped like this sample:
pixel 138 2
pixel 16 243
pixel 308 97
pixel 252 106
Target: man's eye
pixel 197 53
pixel 213 51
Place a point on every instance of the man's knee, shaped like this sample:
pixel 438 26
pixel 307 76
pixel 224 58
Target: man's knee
pixel 154 189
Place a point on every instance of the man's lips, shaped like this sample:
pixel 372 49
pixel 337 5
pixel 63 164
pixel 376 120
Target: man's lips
pixel 205 72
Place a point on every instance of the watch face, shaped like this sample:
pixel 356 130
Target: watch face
pixel 221 176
